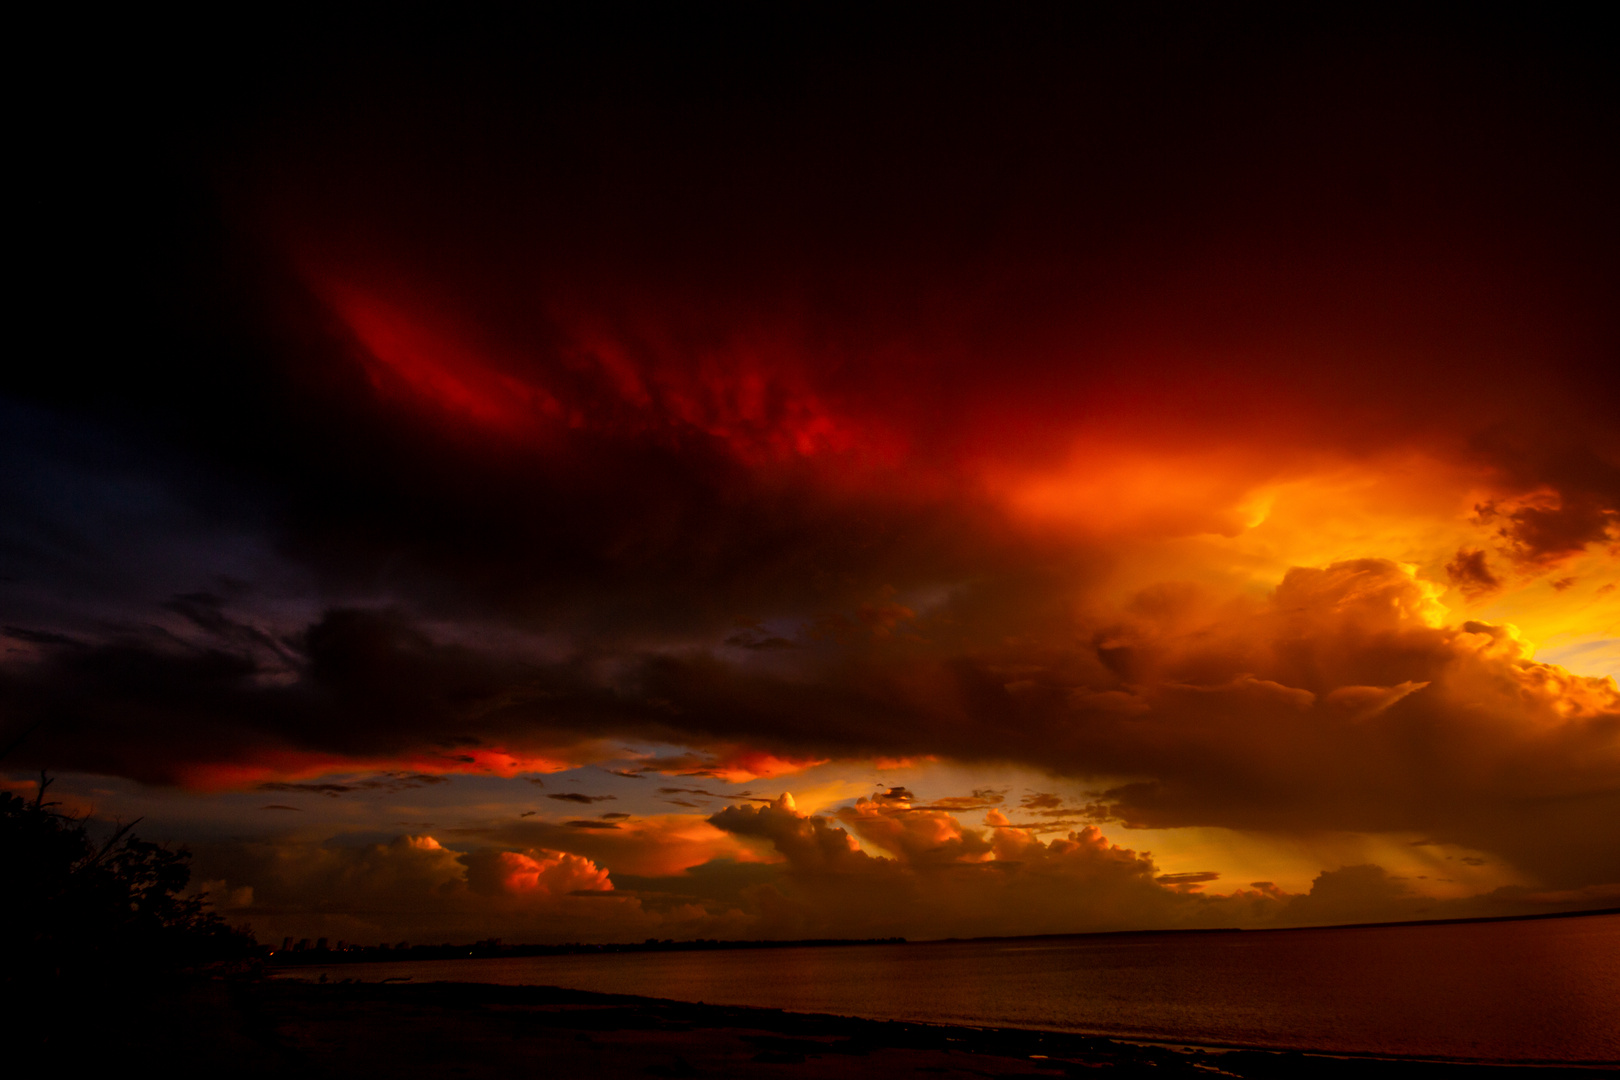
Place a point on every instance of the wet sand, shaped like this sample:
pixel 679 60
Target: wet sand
pixel 286 1027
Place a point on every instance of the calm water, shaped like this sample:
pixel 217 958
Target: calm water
pixel 1543 990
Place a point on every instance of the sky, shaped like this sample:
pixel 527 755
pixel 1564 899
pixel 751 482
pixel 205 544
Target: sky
pixel 734 473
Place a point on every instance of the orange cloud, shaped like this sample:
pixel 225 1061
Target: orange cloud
pixel 731 765
pixel 915 836
pixel 291 766
pixel 642 846
pixel 533 873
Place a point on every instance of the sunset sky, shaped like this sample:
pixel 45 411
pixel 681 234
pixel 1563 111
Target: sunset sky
pixel 736 475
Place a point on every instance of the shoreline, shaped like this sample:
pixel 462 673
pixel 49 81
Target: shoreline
pixel 282 958
pixel 654 1036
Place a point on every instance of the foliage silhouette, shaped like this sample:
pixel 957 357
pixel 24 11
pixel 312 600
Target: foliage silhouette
pixel 74 912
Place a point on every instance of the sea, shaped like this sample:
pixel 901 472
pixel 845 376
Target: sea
pixel 1544 990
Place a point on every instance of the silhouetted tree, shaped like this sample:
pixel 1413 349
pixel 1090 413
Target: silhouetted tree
pixel 76 912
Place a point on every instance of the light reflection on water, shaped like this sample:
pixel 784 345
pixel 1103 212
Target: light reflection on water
pixel 1536 990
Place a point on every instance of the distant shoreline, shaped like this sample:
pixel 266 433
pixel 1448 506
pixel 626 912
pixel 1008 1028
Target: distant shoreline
pixel 1534 916
pixel 490 950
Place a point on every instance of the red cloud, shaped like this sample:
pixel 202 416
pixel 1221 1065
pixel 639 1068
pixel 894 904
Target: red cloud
pixel 540 873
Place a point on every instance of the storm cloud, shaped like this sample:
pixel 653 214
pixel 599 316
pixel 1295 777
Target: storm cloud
pixel 1231 449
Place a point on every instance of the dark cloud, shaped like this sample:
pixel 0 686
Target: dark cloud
pixel 741 796
pixel 1471 573
pixel 899 798
pixel 639 510
pixel 981 799
pixel 1340 677
pixel 574 796
pixel 330 790
pixel 808 843
pixel 1354 894
pixel 206 612
pixel 754 636
pixel 1199 877
pixel 1546 532
pixel 41 637
pixel 1562 489
pixel 390 782
pixel 721 881
pixel 696 406
pixel 367 685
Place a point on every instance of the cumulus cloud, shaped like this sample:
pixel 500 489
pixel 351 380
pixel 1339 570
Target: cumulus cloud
pixel 415 887
pixel 932 877
pixel 1344 701
pixel 808 843
pixel 546 874
pixel 939 877
pixel 942 878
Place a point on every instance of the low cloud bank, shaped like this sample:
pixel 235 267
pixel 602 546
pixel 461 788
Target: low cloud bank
pixel 808 876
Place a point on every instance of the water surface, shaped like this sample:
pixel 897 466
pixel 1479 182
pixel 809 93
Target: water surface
pixel 1544 990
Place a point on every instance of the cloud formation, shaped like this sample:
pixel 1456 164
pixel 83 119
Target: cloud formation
pixel 1002 881
pixel 1344 701
pixel 839 401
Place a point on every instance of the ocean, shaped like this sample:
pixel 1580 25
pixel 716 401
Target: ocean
pixel 1526 991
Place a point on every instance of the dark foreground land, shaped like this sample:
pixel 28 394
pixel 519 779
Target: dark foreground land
pixel 292 1028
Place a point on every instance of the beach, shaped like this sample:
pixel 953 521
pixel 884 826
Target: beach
pixel 1543 991
pixel 286 1027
